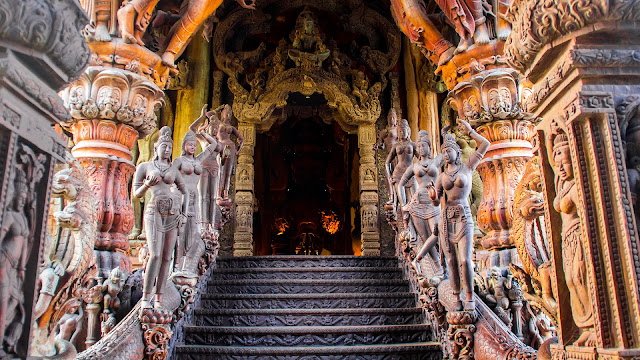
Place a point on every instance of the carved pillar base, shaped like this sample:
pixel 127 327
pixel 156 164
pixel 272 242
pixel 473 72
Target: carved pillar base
pixel 368 191
pixel 460 334
pixel 110 109
pixel 245 176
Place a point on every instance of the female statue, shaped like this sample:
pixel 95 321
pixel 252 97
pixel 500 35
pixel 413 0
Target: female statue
pixel 403 151
pixel 573 256
pixel 229 160
pixel 191 246
pixel 454 186
pixel 424 215
pixel 389 135
pixel 206 130
pixel 14 237
pixel 163 216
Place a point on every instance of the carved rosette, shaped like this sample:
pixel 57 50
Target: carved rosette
pixel 156 325
pixel 460 334
pixel 490 101
pixel 110 109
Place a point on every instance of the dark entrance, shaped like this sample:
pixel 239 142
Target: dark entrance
pixel 302 188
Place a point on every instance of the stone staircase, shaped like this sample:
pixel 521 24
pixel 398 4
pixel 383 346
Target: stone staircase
pixel 307 307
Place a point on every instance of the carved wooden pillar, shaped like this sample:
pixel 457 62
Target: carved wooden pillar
pixel 586 88
pixel 488 97
pixel 368 191
pixel 110 109
pixel 245 175
pixel 41 48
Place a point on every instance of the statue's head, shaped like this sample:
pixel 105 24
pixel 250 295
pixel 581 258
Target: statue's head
pixel 226 115
pixel 562 157
pixel 189 143
pixel 495 272
pixel 423 144
pixel 392 118
pixel 404 131
pixel 451 150
pixel 115 275
pixel 20 190
pixel 163 147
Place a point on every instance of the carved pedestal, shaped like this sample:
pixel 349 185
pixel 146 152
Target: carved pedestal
pixel 487 94
pixel 156 325
pixel 245 175
pixel 586 77
pixel 368 191
pixel 40 49
pixel 460 334
pixel 110 108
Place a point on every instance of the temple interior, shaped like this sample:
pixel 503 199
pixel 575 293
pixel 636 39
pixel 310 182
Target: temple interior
pixel 320 180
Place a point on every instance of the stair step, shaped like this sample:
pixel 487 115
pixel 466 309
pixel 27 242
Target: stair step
pixel 306 261
pixel 308 301
pixel 408 351
pixel 307 317
pixel 304 335
pixel 279 286
pixel 301 273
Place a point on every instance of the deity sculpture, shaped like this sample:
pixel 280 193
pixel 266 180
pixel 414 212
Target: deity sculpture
pixel 453 187
pixel 573 254
pixel 388 136
pixel 134 15
pixel 424 215
pixel 14 237
pixel 163 216
pixel 497 286
pixel 190 245
pixel 230 154
pixel 403 151
pixel 206 128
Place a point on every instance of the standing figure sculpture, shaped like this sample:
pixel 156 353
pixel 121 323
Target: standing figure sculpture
pixel 424 215
pixel 404 151
pixel 190 245
pixel 134 16
pixel 230 155
pixel 389 135
pixel 573 254
pixel 456 228
pixel 164 216
pixel 14 253
pixel 206 128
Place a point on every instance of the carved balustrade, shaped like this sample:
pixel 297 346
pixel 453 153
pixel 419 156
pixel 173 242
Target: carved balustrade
pixel 584 63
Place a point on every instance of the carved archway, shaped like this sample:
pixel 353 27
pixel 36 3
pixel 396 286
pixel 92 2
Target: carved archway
pixel 310 57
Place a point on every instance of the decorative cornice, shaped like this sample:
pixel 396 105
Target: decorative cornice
pixel 49 30
pixel 536 23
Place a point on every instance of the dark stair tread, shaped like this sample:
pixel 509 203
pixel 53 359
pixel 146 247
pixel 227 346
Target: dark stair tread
pixel 338 311
pixel 306 330
pixel 311 296
pixel 304 257
pixel 310 282
pixel 311 350
pixel 306 269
